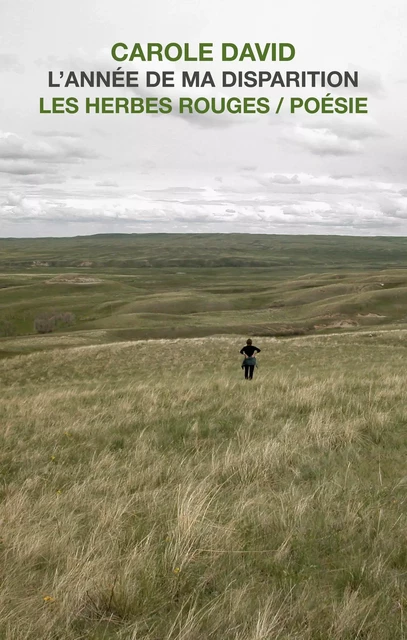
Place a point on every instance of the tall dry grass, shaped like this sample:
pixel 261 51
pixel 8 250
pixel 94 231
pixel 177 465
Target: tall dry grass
pixel 149 492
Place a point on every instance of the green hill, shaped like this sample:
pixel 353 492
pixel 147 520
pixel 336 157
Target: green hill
pixel 123 287
pixel 205 250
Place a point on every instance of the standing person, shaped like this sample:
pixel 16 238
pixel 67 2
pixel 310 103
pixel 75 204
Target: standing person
pixel 249 361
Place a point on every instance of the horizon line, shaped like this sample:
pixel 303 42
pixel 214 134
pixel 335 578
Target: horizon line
pixel 199 233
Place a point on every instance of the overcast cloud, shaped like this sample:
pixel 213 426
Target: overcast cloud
pixel 67 174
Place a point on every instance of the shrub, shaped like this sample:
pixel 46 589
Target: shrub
pixel 44 324
pixel 65 318
pixel 7 329
pixel 50 320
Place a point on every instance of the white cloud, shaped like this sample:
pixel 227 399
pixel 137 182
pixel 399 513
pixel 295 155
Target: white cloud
pixel 282 179
pixel 381 208
pixel 201 173
pixel 12 200
pixel 348 127
pixel 322 142
pixel 59 150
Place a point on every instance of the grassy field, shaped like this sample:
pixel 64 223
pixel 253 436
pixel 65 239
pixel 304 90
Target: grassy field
pixel 161 304
pixel 149 492
pixel 168 286
pixel 205 250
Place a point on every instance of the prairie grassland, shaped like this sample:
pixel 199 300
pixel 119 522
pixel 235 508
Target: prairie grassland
pixel 149 493
pixel 148 303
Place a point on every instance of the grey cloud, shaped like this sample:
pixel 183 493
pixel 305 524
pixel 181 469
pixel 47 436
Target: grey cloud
pixel 209 120
pixel 12 200
pixel 232 200
pixel 57 134
pixel 198 217
pixel 74 62
pixel 296 210
pixel 348 128
pixel 327 135
pixel 99 132
pixel 10 62
pixel 60 150
pixel 308 185
pixel 192 202
pixel 178 190
pixel 102 60
pixel 313 189
pixel 370 81
pixel 25 168
pixel 387 206
pixel 106 183
pixel 281 179
pixel 37 162
pixel 346 215
pixel 41 179
pixel 147 166
pixel 393 207
pixel 321 142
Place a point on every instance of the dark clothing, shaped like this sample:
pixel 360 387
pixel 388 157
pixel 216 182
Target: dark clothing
pixel 249 350
pixel 248 371
pixel 250 361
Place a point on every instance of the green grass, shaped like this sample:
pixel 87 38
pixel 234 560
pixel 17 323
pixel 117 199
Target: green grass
pixel 206 250
pixel 160 303
pixel 152 493
pixel 168 285
pixel 149 493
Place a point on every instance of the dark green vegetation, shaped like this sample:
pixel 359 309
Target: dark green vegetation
pixel 154 286
pixel 206 250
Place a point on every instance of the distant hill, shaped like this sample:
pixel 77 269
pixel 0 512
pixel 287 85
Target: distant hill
pixel 131 287
pixel 205 250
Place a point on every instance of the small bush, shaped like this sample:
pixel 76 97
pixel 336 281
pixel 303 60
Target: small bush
pixel 65 318
pixel 43 324
pixel 7 329
pixel 50 320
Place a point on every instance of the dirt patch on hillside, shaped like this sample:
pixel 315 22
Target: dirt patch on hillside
pixel 370 315
pixel 340 324
pixel 73 279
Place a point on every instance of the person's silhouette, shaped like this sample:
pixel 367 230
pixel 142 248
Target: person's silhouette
pixel 249 361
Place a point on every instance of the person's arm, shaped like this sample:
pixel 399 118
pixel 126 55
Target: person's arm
pixel 258 350
pixel 242 351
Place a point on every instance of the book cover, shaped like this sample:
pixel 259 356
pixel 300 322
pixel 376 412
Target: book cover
pixel 203 307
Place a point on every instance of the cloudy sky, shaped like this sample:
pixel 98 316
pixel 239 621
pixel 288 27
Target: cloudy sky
pixel 77 174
